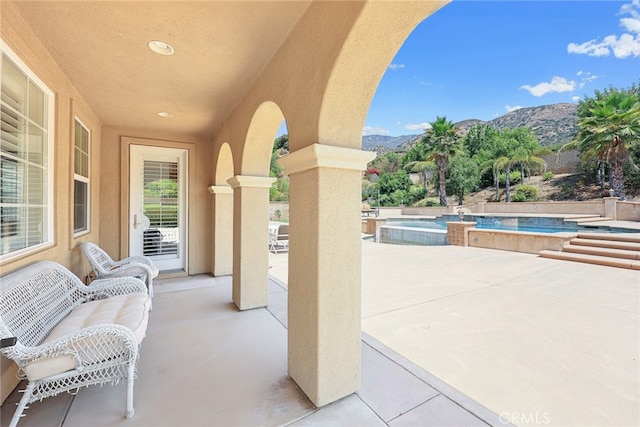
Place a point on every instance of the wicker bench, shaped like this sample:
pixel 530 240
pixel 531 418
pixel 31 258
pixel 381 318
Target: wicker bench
pixel 64 335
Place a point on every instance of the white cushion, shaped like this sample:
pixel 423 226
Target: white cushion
pixel 131 311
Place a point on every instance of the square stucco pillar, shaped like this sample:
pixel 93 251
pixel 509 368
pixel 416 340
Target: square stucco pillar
pixel 222 262
pixel 325 252
pixel 250 240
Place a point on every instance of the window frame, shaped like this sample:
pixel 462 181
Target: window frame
pixel 80 178
pixel 48 201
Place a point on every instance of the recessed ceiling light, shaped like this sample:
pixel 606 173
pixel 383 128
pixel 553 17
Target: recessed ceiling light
pixel 161 48
pixel 166 114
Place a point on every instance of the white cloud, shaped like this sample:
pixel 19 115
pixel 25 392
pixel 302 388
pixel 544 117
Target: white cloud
pixel 623 46
pixel 396 66
pixel 631 24
pixel 371 130
pixel 587 77
pixel 590 48
pixel 509 108
pixel 417 126
pixel 557 84
pixel 575 98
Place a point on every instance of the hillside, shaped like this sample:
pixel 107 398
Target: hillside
pixel 562 187
pixel 553 124
pixel 383 143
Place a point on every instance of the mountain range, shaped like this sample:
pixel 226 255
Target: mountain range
pixel 553 124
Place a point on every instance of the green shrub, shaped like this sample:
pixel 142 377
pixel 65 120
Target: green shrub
pixel 514 178
pixel 547 176
pixel 416 192
pixel 279 191
pixel 525 193
pixel 161 215
pixel 428 202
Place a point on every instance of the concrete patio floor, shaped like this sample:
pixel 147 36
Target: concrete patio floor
pixel 535 340
pixel 452 336
pixel 204 363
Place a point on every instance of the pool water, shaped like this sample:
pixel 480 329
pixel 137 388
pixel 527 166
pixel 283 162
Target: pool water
pixel 520 223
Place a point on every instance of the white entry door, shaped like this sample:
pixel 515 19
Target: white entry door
pixel 158 209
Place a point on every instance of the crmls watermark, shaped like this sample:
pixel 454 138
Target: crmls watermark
pixel 520 418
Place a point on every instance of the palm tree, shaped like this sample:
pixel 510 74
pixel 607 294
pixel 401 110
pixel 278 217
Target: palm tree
pixel 527 151
pixel 505 154
pixel 608 130
pixel 442 142
pixel 415 161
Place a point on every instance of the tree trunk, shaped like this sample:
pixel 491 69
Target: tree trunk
pixel 601 175
pixel 617 179
pixel 522 173
pixel 496 179
pixel 443 185
pixel 610 175
pixel 424 181
pixel 507 184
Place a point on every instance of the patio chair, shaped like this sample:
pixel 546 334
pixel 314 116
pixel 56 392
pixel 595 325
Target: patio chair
pixel 279 238
pixel 105 267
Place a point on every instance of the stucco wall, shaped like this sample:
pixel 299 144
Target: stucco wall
pixel 68 105
pixel 514 241
pixel 114 235
pixel 628 211
pixel 105 184
pixel 594 207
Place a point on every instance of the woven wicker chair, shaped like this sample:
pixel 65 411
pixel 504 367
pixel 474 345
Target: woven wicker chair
pixel 103 266
pixel 56 329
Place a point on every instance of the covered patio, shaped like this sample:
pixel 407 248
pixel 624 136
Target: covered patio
pixel 95 91
pixel 204 363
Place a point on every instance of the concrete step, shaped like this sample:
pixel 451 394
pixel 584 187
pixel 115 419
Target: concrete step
pixel 600 251
pixel 591 259
pixel 620 237
pixel 588 219
pixel 603 243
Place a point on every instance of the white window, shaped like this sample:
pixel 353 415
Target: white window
pixel 81 179
pixel 26 168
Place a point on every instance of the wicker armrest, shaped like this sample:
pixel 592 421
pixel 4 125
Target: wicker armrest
pixel 104 288
pixel 87 347
pixel 133 259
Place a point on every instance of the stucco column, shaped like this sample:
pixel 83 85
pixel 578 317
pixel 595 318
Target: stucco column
pixel 222 262
pixel 250 240
pixel 325 269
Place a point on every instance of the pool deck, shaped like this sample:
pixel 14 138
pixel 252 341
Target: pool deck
pixel 537 340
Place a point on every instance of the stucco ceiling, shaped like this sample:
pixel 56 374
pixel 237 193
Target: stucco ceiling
pixel 220 49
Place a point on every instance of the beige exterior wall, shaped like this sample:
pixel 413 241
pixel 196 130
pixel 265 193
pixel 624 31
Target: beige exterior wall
pixel 68 105
pixel 106 186
pixel 114 156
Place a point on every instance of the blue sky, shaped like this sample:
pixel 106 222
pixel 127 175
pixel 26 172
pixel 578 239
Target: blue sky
pixel 481 59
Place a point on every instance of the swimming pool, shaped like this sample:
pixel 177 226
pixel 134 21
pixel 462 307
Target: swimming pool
pixel 433 231
pixel 538 224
